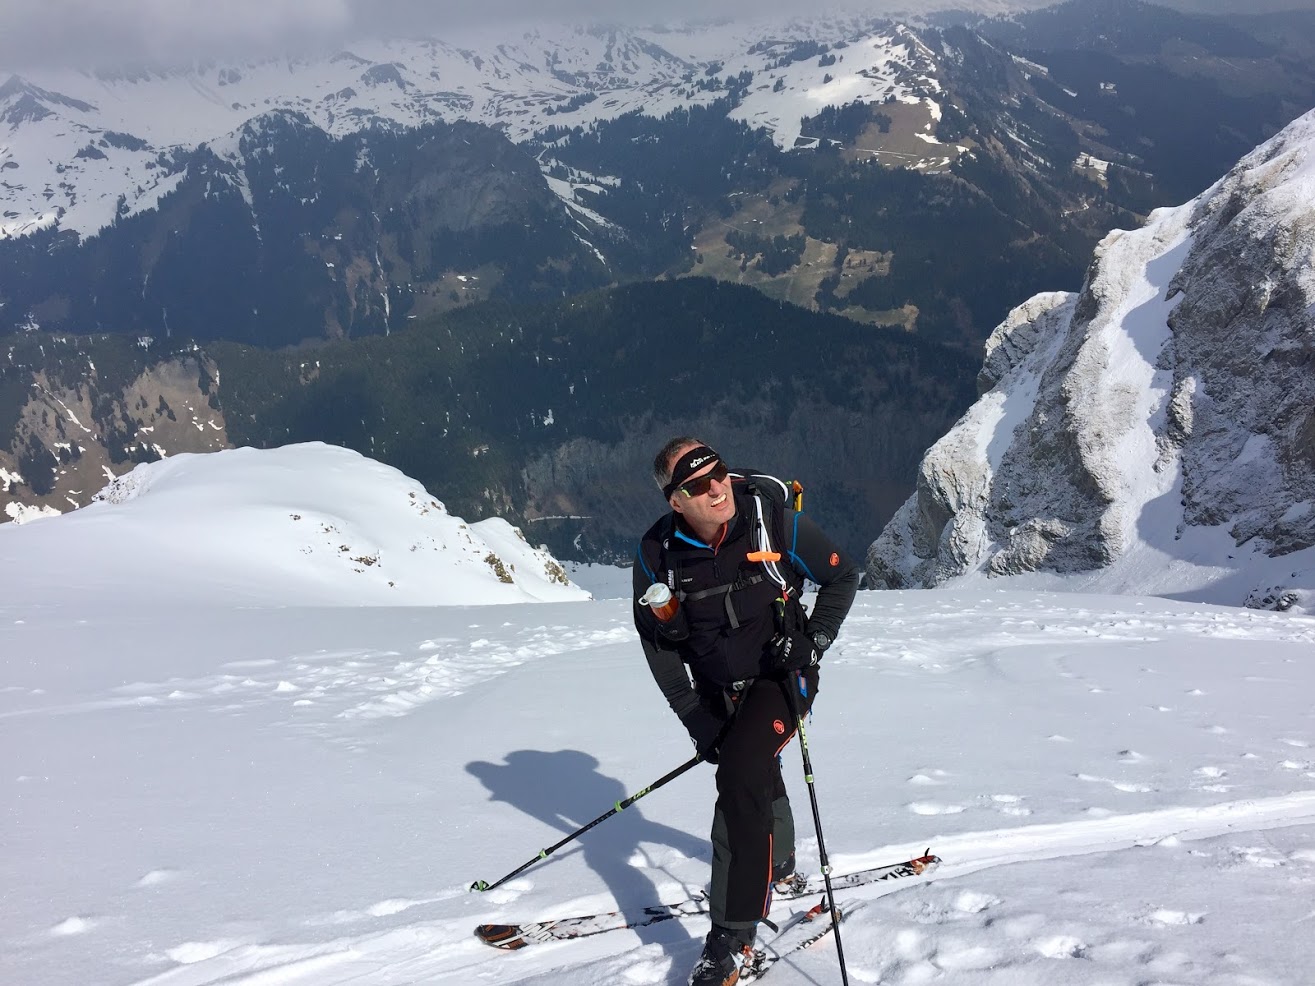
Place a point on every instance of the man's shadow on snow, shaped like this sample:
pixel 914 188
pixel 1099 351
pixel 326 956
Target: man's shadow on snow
pixel 565 790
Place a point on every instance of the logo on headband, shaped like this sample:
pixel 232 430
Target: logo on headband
pixel 698 462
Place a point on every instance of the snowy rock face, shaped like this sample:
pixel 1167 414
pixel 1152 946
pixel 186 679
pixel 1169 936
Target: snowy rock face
pixel 1164 418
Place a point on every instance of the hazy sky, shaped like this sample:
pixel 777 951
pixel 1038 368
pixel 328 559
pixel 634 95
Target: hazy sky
pixel 50 33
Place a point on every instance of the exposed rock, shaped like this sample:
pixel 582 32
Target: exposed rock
pixel 79 427
pixel 1173 395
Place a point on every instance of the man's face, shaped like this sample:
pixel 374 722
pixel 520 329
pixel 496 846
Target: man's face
pixel 709 510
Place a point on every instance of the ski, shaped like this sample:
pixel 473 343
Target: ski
pixel 513 936
pixel 804 932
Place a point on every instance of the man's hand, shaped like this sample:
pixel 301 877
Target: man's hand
pixel 794 650
pixel 705 730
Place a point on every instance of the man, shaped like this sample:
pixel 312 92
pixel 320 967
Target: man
pixel 752 652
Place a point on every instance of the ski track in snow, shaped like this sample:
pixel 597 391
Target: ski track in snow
pixel 925 929
pixel 356 684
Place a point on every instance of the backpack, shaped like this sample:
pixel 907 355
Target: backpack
pixel 770 496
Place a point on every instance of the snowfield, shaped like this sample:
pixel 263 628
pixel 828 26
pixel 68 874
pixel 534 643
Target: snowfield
pixel 203 788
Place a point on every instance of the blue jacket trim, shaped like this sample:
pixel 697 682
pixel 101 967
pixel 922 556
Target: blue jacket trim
pixel 690 540
pixel 795 559
pixel 639 554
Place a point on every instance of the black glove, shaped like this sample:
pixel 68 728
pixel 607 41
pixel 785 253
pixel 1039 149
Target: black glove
pixel 705 730
pixel 793 650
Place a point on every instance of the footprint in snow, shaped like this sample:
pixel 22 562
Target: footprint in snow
pixel 156 877
pixel 387 908
pixel 972 902
pixel 1061 947
pixel 1122 951
pixel 1017 926
pixel 1008 804
pixel 911 944
pixel 191 952
pixel 76 925
pixel 1123 786
pixel 968 958
pixel 935 808
pixel 1258 856
pixel 1164 917
pixel 929 777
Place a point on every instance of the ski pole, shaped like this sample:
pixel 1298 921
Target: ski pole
pixel 618 807
pixel 817 821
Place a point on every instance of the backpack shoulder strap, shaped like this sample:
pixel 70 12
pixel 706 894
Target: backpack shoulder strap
pixel 771 496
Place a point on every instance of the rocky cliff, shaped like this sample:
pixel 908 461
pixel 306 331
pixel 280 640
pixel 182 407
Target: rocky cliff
pixel 76 417
pixel 1156 431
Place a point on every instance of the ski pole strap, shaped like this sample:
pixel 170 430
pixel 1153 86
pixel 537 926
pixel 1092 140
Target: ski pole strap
pixel 619 806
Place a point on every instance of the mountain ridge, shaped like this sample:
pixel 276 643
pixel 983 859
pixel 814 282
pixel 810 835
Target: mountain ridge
pixel 1155 428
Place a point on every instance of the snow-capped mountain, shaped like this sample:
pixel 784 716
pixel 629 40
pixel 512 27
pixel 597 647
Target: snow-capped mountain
pixel 1155 431
pixel 78 149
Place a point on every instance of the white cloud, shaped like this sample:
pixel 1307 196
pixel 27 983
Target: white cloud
pixel 97 32
pixel 85 33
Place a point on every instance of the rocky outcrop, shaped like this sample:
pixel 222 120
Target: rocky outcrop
pixel 1172 401
pixel 75 419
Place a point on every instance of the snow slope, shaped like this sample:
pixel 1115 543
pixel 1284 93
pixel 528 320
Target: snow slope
pixel 308 524
pixel 255 792
pixel 72 143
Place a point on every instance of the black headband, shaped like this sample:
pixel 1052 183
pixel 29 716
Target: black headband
pixel 687 465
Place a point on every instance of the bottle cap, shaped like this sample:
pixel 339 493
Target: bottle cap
pixel 656 595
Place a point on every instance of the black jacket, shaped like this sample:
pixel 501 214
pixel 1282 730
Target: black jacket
pixel 729 631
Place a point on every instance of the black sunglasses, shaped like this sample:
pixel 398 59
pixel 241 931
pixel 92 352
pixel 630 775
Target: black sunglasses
pixel 697 487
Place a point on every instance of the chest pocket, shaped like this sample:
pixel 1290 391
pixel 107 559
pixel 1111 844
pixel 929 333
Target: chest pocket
pixel 745 599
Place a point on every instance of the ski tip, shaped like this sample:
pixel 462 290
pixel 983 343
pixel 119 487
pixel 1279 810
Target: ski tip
pixel 506 936
pixel 925 864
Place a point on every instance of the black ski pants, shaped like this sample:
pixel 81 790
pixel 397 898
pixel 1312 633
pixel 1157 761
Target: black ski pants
pixel 752 825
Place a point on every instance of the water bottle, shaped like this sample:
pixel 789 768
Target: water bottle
pixel 659 599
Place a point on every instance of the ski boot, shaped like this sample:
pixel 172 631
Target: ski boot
pixel 785 880
pixel 724 953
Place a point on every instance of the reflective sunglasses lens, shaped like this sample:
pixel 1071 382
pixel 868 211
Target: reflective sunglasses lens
pixel 697 487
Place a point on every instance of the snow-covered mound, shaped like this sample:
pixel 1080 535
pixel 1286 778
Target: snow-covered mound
pixel 309 524
pixel 1155 432
pixel 79 149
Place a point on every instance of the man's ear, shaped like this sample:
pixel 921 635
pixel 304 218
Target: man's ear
pixel 675 503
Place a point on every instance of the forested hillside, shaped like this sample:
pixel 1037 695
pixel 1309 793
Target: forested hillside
pixel 554 411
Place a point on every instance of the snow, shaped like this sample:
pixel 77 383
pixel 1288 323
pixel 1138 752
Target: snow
pixel 74 162
pixel 21 513
pixel 295 785
pixel 309 524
